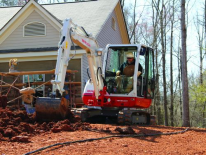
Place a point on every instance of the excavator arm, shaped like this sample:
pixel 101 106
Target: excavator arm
pixel 71 34
pixel 57 108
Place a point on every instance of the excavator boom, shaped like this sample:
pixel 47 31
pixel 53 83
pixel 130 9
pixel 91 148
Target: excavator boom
pixel 57 107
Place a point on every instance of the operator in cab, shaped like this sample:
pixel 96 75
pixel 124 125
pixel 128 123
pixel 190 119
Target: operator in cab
pixel 127 69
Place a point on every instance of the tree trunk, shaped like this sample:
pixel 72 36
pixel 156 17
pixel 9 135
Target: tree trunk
pixel 135 21
pixel 171 69
pixel 163 63
pixel 201 73
pixel 155 21
pixel 205 27
pixel 203 115
pixel 179 78
pixel 186 119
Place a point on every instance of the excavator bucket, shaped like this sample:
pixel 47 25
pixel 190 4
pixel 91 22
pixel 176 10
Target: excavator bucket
pixel 51 109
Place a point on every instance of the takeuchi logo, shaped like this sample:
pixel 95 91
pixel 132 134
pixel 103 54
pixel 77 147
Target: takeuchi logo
pixel 84 41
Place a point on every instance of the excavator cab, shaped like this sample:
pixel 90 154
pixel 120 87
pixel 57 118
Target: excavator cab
pixel 125 86
pixel 128 75
pixel 135 79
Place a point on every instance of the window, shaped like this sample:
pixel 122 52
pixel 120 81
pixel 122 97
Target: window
pixel 34 29
pixel 116 56
pixel 113 23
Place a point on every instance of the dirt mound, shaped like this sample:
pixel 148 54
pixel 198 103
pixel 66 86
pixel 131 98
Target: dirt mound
pixel 17 125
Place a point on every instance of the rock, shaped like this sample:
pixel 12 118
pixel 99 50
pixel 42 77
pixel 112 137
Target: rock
pixel 125 130
pixel 9 132
pixel 16 129
pixel 51 124
pixel 22 114
pixel 20 139
pixel 66 121
pixel 107 130
pixel 27 127
pixel 77 119
pixel 5 120
pixel 1 130
pixel 55 130
pixel 18 119
pixel 2 123
pixel 66 127
pixel 124 145
pixel 3 101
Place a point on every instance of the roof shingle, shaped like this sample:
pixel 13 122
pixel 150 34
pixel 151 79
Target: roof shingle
pixel 91 15
pixel 6 14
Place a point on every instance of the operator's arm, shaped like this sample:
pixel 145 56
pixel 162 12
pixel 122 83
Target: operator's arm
pixel 139 70
pixel 120 70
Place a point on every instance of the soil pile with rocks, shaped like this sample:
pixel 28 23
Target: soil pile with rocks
pixel 20 133
pixel 17 125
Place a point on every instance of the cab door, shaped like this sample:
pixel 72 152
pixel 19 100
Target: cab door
pixel 149 83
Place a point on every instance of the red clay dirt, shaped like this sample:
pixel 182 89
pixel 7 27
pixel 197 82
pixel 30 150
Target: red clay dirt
pixel 20 134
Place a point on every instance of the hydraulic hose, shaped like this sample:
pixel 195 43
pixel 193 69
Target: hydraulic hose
pixel 104 81
pixel 70 34
pixel 117 136
pixel 88 73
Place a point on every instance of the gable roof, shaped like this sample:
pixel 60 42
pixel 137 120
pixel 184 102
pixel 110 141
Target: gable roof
pixel 91 14
pixel 7 13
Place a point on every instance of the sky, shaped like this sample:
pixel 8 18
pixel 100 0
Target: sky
pixel 192 45
pixel 194 6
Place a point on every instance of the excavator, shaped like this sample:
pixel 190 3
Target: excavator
pixel 124 96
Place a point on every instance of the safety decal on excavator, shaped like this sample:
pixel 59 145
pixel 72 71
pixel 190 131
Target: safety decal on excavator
pixel 66 44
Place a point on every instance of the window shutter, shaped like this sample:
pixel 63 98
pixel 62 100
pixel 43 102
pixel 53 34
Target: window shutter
pixel 34 29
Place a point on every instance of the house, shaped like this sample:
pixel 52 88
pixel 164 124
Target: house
pixel 31 33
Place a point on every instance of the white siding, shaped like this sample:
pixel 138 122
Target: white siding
pixel 17 41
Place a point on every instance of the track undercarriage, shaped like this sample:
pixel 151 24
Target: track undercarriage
pixel 125 116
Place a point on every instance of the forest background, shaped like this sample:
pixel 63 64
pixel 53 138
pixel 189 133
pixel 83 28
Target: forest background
pixel 176 30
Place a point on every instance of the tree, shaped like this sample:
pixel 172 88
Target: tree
pixel 185 96
pixel 200 27
pixel 163 44
pixel 8 2
pixel 198 100
pixel 171 66
pixel 155 22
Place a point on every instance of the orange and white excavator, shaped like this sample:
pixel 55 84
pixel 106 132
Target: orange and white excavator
pixel 106 93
